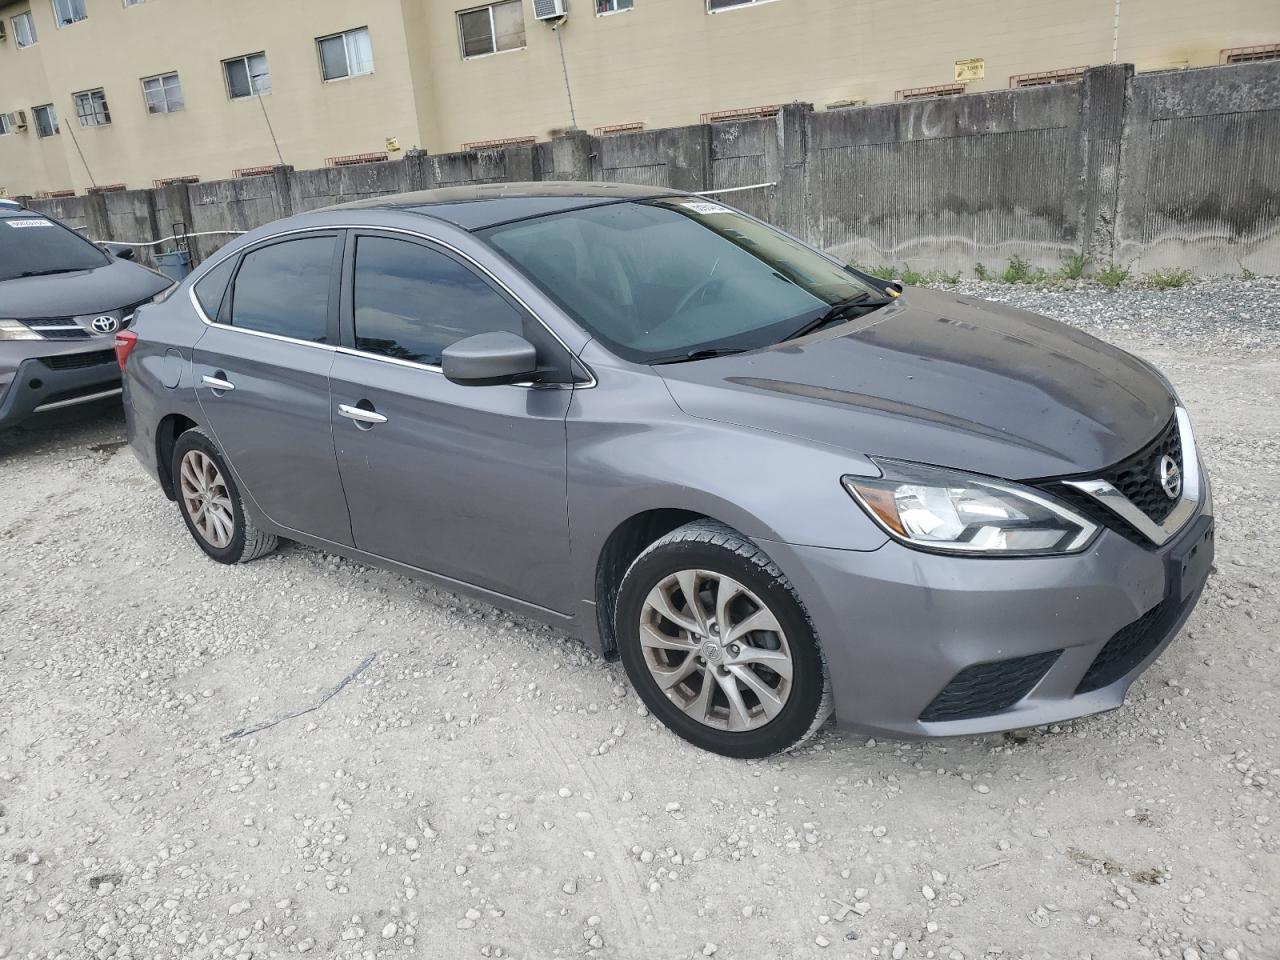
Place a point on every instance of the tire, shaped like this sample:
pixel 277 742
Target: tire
pixel 770 712
pixel 229 536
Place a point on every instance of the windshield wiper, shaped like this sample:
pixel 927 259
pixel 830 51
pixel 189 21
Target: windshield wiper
pixel 840 310
pixel 704 353
pixel 49 273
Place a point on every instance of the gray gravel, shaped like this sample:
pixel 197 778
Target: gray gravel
pixel 486 788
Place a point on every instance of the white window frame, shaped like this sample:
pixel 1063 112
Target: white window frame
pixel 614 8
pixel 59 21
pixel 99 113
pixel 346 53
pixel 5 127
pixel 226 77
pixel 25 17
pixel 132 3
pixel 161 77
pixel 53 117
pixel 493 30
pixel 740 4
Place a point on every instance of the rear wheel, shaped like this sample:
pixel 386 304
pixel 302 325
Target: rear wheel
pixel 718 645
pixel 210 503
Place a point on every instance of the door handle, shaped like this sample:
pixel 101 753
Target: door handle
pixel 360 415
pixel 218 384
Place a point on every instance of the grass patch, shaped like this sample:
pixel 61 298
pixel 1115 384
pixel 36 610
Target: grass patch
pixel 1114 275
pixel 981 272
pixel 888 272
pixel 1018 270
pixel 1169 279
pixel 1073 266
pixel 940 278
pixel 911 277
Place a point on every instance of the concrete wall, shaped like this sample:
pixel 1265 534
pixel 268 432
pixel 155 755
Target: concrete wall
pixel 1175 168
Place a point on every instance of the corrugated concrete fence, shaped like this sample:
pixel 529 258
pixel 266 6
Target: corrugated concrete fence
pixel 1177 168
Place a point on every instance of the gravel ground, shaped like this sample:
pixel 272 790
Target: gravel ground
pixel 486 788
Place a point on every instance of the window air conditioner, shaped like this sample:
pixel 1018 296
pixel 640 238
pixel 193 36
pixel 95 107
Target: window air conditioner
pixel 549 9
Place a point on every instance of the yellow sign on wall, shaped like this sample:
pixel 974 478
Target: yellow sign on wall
pixel 975 68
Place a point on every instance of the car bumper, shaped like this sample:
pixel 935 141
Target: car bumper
pixel 924 645
pixel 63 379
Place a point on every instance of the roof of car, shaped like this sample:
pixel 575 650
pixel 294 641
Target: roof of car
pixel 488 204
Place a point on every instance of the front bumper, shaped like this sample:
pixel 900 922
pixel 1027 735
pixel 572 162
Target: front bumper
pixel 911 637
pixel 63 379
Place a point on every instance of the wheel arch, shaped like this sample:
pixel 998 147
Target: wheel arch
pixel 168 430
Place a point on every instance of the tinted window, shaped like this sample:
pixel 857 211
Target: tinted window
pixel 412 302
pixel 284 289
pixel 210 288
pixel 32 244
pixel 659 279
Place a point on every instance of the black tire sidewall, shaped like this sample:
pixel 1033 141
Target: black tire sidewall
pixel 194 440
pixel 808 678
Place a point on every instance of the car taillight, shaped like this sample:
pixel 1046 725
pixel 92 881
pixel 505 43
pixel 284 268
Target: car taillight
pixel 126 340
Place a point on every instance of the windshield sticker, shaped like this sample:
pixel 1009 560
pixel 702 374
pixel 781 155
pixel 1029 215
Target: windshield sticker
pixel 704 206
pixel 16 224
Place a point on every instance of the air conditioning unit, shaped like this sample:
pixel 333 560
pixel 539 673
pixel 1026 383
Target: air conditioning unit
pixel 550 9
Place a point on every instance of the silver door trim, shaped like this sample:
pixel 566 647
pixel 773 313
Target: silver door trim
pixel 359 414
pixel 433 368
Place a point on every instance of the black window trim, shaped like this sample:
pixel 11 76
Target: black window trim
pixel 341 277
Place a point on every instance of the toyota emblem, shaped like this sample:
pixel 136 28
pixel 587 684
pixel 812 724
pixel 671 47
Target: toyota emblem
pixel 1170 477
pixel 105 324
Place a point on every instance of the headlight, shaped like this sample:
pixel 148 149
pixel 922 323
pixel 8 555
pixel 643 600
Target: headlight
pixel 16 330
pixel 945 510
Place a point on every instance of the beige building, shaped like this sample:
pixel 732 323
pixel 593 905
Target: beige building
pixel 108 92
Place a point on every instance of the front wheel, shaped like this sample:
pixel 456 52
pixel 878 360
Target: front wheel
pixel 210 503
pixel 718 645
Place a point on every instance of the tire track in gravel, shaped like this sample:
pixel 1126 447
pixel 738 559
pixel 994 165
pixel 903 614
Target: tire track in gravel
pixel 618 870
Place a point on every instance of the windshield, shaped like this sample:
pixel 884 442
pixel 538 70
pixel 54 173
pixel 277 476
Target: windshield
pixel 661 279
pixel 32 245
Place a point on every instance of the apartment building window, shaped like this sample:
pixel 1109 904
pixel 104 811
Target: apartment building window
pixel 5 125
pixel 163 93
pixel 132 3
pixel 24 30
pixel 91 108
pixel 348 54
pixel 247 76
pixel 613 6
pixel 491 29
pixel 714 6
pixel 67 12
pixel 46 120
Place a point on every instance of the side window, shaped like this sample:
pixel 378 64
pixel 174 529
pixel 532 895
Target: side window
pixel 284 289
pixel 411 302
pixel 210 288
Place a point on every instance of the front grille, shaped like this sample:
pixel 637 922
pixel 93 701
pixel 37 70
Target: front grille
pixel 982 689
pixel 1129 646
pixel 76 361
pixel 58 328
pixel 1137 477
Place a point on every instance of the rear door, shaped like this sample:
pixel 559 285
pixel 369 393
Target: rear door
pixel 262 377
pixel 464 481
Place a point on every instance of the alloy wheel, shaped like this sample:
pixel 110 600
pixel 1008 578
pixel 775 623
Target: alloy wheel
pixel 206 498
pixel 716 650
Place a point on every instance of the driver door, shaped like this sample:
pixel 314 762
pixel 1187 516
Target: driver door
pixel 467 482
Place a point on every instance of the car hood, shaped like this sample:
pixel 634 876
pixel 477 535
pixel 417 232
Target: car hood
pixel 942 379
pixel 105 288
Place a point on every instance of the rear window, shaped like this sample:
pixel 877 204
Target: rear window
pixel 210 288
pixel 33 246
pixel 283 289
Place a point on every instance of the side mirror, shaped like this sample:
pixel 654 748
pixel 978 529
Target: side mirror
pixel 488 359
pixel 121 250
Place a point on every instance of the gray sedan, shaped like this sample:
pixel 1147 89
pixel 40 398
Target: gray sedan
pixel 775 487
